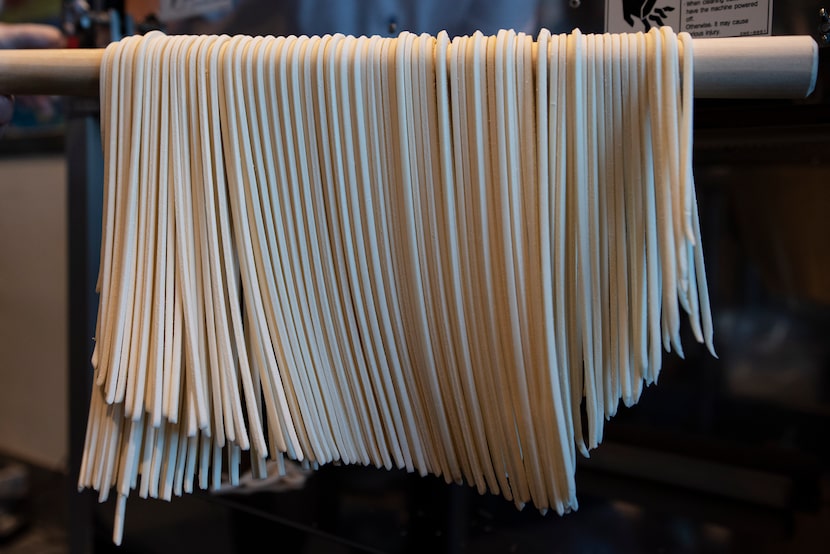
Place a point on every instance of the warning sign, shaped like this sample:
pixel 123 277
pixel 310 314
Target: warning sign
pixel 699 18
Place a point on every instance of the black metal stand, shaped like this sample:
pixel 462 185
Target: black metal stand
pixel 85 182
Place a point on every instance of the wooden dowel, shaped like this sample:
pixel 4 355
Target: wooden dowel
pixel 58 72
pixel 756 67
pixel 745 67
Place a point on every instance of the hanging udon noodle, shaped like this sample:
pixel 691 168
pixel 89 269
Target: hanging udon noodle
pixel 413 252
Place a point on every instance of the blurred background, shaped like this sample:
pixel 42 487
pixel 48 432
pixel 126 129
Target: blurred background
pixel 724 455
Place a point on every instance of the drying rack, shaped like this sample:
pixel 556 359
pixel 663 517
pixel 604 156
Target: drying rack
pixel 737 67
pixel 781 67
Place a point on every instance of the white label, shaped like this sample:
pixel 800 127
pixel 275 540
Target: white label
pixel 699 18
pixel 170 10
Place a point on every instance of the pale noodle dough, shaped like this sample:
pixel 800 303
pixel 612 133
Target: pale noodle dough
pixel 419 252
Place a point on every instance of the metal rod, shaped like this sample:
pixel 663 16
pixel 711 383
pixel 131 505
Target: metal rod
pixel 740 67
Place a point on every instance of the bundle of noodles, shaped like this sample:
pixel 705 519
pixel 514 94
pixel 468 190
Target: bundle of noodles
pixel 413 252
